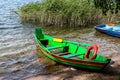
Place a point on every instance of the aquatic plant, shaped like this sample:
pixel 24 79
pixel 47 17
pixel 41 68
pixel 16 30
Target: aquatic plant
pixel 62 12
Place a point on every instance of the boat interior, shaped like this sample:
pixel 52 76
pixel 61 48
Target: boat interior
pixel 65 49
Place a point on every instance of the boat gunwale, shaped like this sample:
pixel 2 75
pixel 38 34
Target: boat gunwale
pixel 84 62
pixel 107 31
pixel 67 59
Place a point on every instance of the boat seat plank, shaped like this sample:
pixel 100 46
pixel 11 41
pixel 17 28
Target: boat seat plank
pixel 54 47
pixel 70 55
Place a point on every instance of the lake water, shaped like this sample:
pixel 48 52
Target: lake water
pixel 17 45
pixel 17 58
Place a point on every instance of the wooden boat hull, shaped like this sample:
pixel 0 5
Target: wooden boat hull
pixel 79 62
pixel 111 31
pixel 74 63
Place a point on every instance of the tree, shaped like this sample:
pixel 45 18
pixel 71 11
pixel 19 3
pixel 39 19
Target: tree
pixel 108 5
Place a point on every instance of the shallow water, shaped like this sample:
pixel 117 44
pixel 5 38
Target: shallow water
pixel 108 45
pixel 17 45
pixel 17 58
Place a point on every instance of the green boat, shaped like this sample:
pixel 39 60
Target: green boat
pixel 75 54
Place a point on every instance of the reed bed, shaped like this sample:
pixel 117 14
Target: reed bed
pixel 64 13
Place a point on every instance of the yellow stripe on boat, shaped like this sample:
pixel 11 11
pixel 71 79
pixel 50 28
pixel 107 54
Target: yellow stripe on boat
pixel 57 40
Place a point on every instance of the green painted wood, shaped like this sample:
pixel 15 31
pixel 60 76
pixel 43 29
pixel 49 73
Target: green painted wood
pixel 77 49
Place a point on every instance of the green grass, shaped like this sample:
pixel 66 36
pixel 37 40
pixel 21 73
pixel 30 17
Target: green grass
pixel 63 12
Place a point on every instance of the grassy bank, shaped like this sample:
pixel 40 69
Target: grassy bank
pixel 63 12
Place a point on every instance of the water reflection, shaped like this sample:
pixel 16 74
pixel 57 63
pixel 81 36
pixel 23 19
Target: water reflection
pixel 17 45
pixel 17 59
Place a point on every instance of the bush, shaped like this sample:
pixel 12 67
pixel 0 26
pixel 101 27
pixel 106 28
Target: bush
pixel 62 12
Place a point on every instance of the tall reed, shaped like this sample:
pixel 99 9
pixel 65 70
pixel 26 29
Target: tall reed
pixel 62 13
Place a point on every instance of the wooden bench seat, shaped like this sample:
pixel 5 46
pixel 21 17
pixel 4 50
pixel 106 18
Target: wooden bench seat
pixel 70 55
pixel 55 47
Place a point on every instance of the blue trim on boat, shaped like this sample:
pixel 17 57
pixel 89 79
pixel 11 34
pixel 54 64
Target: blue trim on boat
pixel 113 31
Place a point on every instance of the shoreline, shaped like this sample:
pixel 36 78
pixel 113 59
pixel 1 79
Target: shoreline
pixel 110 73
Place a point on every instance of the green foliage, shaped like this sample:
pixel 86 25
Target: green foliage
pixel 106 5
pixel 31 7
pixel 64 12
pixel 53 5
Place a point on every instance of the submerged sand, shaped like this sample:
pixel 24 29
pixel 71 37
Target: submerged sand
pixel 68 73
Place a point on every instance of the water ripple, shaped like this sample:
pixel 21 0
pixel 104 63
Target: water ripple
pixel 17 58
